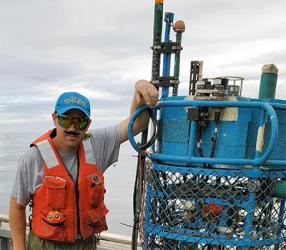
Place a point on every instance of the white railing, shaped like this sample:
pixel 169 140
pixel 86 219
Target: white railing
pixel 5 235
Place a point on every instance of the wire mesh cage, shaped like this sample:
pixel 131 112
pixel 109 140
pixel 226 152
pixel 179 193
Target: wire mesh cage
pixel 205 208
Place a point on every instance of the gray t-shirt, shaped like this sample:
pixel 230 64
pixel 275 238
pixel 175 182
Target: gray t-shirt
pixel 106 144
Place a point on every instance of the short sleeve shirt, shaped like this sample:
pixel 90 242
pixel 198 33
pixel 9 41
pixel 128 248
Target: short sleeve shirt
pixel 105 142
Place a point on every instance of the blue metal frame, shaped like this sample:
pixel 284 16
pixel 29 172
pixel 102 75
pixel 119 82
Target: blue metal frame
pixel 189 232
pixel 190 159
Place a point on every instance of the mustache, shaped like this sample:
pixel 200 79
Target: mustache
pixel 74 133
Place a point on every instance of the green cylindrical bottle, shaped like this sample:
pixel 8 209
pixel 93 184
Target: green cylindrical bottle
pixel 280 189
pixel 268 81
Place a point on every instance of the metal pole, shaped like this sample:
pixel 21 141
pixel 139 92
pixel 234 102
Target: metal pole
pixel 157 34
pixel 169 17
pixel 179 28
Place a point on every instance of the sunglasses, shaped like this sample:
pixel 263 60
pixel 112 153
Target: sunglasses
pixel 66 121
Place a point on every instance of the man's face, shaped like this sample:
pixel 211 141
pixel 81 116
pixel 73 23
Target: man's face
pixel 70 136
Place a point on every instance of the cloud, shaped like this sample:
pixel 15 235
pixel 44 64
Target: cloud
pixel 101 48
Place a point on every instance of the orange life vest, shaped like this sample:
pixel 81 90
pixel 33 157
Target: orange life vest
pixel 62 209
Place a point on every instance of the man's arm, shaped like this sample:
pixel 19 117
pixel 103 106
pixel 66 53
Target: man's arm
pixel 144 93
pixel 17 221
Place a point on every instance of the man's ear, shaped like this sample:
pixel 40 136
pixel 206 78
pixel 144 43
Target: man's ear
pixel 89 122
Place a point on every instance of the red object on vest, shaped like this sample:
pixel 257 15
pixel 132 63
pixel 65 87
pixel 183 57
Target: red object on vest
pixel 62 209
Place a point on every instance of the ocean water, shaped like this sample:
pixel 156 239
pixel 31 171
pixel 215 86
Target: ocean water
pixel 119 179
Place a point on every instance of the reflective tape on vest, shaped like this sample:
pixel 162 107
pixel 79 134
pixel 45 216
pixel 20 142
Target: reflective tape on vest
pixel 89 152
pixel 48 154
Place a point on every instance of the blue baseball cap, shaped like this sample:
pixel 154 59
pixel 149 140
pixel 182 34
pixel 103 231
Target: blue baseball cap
pixel 72 100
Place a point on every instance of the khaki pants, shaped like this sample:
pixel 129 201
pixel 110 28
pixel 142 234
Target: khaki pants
pixel 36 243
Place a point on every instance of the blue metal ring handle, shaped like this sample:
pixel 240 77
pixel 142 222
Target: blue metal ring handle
pixel 192 159
pixel 130 127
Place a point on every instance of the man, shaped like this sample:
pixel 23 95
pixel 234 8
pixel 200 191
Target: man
pixel 61 175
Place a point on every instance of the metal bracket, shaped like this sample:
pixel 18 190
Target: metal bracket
pixel 166 81
pixel 193 114
pixel 168 47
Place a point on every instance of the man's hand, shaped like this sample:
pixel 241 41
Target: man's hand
pixel 145 93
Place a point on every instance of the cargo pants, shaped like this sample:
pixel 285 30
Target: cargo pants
pixel 36 243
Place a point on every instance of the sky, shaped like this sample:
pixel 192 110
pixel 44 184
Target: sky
pixel 100 48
